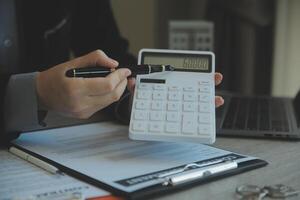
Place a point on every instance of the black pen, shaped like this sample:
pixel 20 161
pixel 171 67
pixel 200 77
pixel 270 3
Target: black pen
pixel 90 72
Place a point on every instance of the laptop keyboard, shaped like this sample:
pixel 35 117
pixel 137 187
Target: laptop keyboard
pixel 256 114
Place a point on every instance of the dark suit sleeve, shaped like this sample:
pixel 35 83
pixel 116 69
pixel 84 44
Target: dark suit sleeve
pixel 94 27
pixel 19 106
pixel 4 77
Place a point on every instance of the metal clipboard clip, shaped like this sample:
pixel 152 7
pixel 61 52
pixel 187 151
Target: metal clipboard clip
pixel 180 176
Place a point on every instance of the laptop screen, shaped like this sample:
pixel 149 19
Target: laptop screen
pixel 297 107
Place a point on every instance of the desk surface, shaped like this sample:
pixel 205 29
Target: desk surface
pixel 284 167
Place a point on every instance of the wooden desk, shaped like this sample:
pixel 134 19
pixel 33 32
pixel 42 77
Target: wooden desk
pixel 284 167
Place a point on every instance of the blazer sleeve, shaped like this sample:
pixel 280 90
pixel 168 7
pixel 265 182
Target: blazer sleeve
pixel 3 83
pixel 19 106
pixel 94 27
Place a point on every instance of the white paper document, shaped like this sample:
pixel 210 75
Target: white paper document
pixel 103 152
pixel 22 180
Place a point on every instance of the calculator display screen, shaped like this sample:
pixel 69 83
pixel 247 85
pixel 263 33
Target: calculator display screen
pixel 181 62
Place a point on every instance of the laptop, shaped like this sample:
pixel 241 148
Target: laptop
pixel 259 116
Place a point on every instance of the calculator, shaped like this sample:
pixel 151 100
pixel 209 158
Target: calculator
pixel 175 106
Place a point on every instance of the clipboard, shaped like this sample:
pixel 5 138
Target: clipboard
pixel 136 184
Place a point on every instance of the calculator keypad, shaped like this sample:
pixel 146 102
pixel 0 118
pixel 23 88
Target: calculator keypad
pixel 173 110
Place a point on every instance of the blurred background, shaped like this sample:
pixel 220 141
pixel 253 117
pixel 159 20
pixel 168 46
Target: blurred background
pixel 256 42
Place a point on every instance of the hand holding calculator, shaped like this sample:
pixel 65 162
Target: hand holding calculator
pixel 175 106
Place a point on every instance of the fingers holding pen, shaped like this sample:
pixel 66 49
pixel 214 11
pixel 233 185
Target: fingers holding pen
pixel 94 98
pixel 111 97
pixel 97 102
pixel 81 97
pixel 105 85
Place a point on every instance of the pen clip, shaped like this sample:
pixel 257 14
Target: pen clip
pixel 193 165
pixel 186 176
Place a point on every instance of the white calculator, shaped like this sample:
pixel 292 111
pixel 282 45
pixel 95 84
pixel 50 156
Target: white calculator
pixel 176 106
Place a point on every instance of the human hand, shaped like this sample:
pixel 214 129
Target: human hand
pixel 219 101
pixel 81 97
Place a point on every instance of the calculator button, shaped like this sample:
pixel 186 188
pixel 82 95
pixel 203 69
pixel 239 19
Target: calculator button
pixel 189 89
pixel 189 96
pixel 204 118
pixel 204 88
pixel 189 117
pixel 204 83
pixel 144 86
pixel 142 115
pixel 156 116
pixel 157 105
pixel 203 107
pixel 174 96
pixel 203 129
pixel 173 116
pixel 143 94
pixel 189 127
pixel 142 105
pixel 189 106
pixel 173 106
pixel 159 87
pixel 172 127
pixel 156 127
pixel 139 126
pixel 174 88
pixel 204 98
pixel 159 95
